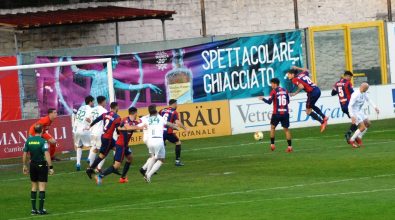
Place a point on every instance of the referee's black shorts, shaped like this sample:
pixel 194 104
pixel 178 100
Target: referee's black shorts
pixel 38 171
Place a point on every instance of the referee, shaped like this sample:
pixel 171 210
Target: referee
pixel 40 161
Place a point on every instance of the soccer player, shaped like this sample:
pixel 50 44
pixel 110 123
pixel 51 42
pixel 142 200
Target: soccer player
pixel 155 140
pixel 45 122
pixel 126 128
pixel 303 82
pixel 81 134
pixel 40 162
pixel 111 121
pixel 358 117
pixel 97 130
pixel 170 114
pixel 343 88
pixel 280 99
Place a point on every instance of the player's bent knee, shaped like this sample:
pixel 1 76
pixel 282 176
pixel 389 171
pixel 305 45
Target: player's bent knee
pixel 117 165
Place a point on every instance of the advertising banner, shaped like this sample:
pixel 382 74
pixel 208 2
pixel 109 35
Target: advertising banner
pixel 206 119
pixel 13 135
pixel 229 69
pixel 250 115
pixel 10 103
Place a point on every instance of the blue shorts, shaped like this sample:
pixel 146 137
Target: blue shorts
pixel 106 145
pixel 170 137
pixel 121 152
pixel 312 97
pixel 277 118
pixel 345 110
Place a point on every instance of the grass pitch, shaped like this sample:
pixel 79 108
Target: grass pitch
pixel 230 177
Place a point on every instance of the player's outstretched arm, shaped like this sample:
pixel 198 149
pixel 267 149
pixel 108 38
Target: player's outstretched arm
pixel 96 121
pixel 300 88
pixel 372 104
pixel 180 125
pixel 299 68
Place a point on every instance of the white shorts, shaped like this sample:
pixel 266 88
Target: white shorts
pixel 156 146
pixel 82 138
pixel 360 116
pixel 96 141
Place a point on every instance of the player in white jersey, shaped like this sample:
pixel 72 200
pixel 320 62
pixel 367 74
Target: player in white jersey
pixel 81 123
pixel 156 146
pixel 358 117
pixel 143 169
pixel 97 130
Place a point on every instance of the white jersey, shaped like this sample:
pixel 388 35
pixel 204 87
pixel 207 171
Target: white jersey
pixel 97 129
pixel 155 126
pixel 145 131
pixel 357 101
pixel 80 117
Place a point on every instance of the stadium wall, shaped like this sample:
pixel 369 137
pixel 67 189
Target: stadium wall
pixel 223 17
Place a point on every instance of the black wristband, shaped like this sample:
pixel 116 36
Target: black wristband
pixel 50 167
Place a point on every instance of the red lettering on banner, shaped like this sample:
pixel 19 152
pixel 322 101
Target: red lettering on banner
pixel 13 135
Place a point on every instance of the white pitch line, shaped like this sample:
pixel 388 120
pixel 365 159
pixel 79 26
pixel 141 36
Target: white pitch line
pixel 132 206
pixel 210 159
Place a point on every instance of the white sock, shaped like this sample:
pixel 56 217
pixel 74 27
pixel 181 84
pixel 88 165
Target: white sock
pixel 79 155
pixel 363 133
pixel 155 168
pixel 151 161
pixel 145 166
pixel 355 135
pixel 100 165
pixel 92 155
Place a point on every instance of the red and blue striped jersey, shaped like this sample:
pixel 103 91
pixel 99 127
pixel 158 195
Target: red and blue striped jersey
pixel 343 89
pixel 280 99
pixel 111 121
pixel 170 115
pixel 124 136
pixel 304 79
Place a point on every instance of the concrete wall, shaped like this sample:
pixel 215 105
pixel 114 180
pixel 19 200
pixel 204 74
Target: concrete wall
pixel 223 17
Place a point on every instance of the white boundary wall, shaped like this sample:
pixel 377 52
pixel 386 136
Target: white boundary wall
pixel 250 115
pixel 391 48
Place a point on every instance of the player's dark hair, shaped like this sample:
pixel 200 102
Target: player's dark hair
pixel 89 99
pixel 293 71
pixel 348 73
pixel 100 99
pixel 38 128
pixel 51 110
pixel 113 105
pixel 275 81
pixel 152 110
pixel 172 101
pixel 132 110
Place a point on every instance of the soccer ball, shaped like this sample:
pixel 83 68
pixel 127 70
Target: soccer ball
pixel 258 135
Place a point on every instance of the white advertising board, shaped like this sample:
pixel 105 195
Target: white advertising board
pixel 251 114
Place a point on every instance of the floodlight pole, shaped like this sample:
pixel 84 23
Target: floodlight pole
pixel 69 63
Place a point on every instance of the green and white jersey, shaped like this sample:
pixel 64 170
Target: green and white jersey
pixel 97 129
pixel 155 125
pixel 80 117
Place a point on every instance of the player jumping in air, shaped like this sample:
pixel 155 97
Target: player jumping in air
pixel 358 117
pixel 81 134
pixel 111 122
pixel 126 128
pixel 97 130
pixel 303 82
pixel 343 88
pixel 40 165
pixel 170 114
pixel 155 140
pixel 45 122
pixel 280 99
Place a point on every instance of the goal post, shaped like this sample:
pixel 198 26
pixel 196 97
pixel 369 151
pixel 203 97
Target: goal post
pixel 108 62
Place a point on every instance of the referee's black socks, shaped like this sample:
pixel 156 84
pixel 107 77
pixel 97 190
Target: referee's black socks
pixel 33 197
pixel 42 199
